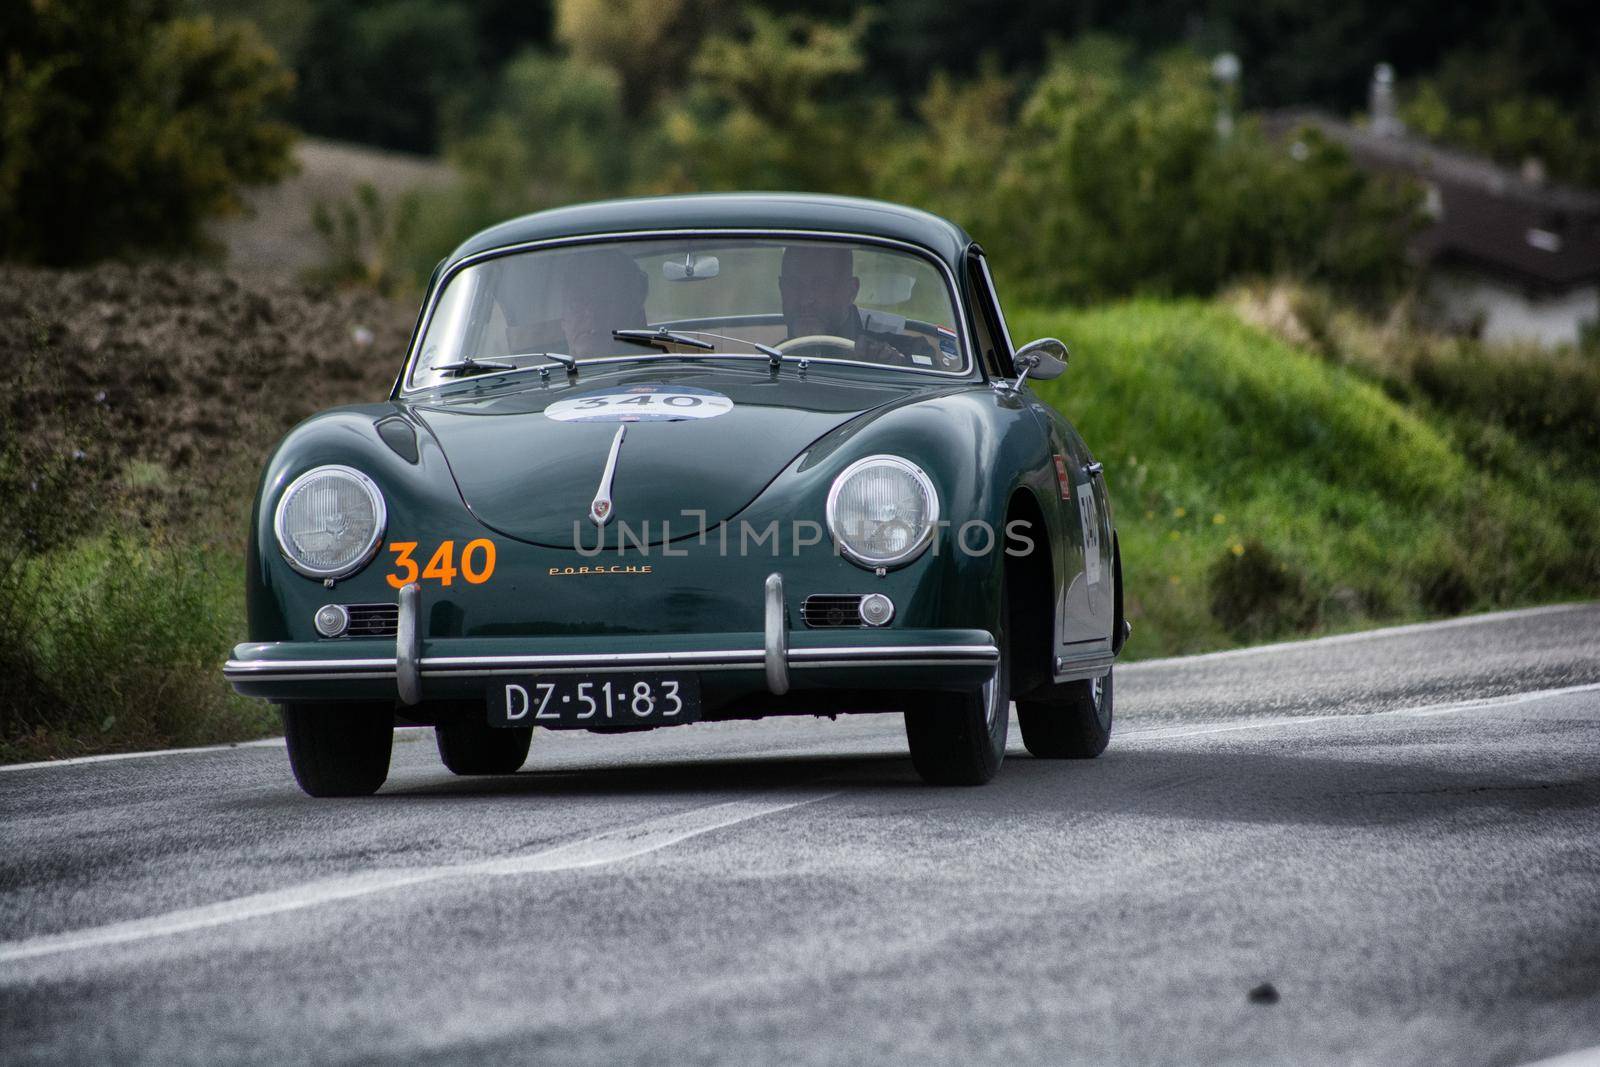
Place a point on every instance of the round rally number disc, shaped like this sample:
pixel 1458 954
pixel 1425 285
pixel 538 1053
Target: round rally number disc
pixel 641 403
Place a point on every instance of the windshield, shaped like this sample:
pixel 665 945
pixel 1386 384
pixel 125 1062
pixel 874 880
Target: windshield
pixel 837 301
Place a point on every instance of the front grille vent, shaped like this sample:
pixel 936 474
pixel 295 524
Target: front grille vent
pixel 373 620
pixel 825 611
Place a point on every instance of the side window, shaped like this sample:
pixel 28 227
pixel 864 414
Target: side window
pixel 993 339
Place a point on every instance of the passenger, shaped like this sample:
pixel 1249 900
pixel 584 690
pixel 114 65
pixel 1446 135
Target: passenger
pixel 818 288
pixel 601 290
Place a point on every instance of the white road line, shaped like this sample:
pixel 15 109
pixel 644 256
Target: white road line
pixel 400 734
pixel 1360 635
pixel 112 757
pixel 1159 733
pixel 613 846
pixel 1583 1057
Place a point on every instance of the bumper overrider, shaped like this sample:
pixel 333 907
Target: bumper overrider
pixel 775 661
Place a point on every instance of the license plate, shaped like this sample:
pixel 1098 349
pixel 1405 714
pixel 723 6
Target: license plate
pixel 590 700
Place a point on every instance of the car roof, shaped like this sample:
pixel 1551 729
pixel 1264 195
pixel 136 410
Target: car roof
pixel 728 211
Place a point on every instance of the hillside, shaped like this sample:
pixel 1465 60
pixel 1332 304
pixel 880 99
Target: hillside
pixel 1262 491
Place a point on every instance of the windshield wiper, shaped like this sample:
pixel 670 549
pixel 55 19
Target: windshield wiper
pixel 688 337
pixel 661 338
pixel 461 368
pixel 467 365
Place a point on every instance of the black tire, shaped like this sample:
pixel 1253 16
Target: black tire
pixel 1071 720
pixel 469 745
pixel 338 749
pixel 960 738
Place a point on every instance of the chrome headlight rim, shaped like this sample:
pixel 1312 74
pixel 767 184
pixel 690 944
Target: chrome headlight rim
pixel 380 514
pixel 912 551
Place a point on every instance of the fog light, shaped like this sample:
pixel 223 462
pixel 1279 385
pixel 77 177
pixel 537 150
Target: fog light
pixel 876 609
pixel 332 620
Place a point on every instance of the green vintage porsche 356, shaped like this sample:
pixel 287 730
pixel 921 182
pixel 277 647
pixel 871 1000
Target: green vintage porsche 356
pixel 661 461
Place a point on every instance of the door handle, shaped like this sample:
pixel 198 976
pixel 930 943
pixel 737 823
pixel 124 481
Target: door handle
pixel 1093 467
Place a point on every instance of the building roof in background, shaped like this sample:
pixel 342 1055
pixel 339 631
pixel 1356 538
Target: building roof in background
pixel 1486 216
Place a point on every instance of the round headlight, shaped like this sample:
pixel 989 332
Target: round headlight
pixel 882 511
pixel 329 522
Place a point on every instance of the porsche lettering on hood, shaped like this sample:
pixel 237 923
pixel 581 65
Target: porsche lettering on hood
pixel 673 469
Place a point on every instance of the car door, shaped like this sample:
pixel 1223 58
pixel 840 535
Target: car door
pixel 1091 599
pixel 1085 601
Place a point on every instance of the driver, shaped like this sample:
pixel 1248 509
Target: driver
pixel 601 290
pixel 818 286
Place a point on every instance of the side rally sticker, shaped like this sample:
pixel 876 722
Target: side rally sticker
pixel 1088 516
pixel 1091 533
pixel 1063 479
pixel 641 403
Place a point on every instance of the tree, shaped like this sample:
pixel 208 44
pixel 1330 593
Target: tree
pixel 1114 179
pixel 383 73
pixel 557 126
pixel 648 43
pixel 1478 101
pixel 777 107
pixel 123 128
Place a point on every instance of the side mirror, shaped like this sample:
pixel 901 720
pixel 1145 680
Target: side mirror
pixel 1044 359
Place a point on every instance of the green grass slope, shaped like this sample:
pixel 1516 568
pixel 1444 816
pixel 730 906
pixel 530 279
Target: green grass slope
pixel 1261 491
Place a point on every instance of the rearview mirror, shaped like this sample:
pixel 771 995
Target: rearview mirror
pixel 1043 359
pixel 691 268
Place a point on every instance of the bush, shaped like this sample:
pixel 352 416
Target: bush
pixel 1114 179
pixel 1444 580
pixel 366 239
pixel 126 128
pixel 113 643
pixel 110 637
pixel 1254 593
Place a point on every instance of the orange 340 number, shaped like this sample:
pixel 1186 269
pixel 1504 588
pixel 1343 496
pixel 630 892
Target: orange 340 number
pixel 476 563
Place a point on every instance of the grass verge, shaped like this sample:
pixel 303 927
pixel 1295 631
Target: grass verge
pixel 115 644
pixel 1262 490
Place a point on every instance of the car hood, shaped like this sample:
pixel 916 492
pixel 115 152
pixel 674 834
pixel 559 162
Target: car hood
pixel 529 463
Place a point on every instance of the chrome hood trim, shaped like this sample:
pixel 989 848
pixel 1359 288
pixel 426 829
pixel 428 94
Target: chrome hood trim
pixel 600 508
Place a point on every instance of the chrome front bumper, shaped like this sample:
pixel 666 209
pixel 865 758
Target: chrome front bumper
pixel 775 661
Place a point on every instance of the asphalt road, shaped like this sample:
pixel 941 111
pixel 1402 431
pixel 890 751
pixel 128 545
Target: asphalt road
pixel 1399 832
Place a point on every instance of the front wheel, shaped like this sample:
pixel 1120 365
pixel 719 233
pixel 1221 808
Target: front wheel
pixel 1072 720
pixel 469 745
pixel 339 750
pixel 960 738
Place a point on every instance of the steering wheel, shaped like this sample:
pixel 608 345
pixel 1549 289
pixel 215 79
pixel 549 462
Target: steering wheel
pixel 807 341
